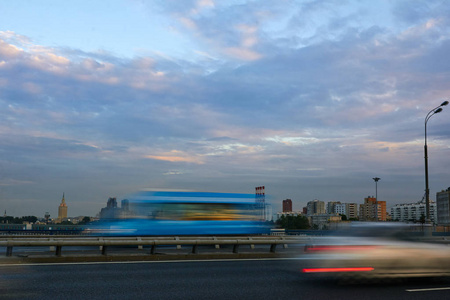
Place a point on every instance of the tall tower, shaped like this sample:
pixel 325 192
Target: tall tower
pixel 62 210
pixel 260 198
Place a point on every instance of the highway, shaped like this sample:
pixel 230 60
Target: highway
pixel 216 279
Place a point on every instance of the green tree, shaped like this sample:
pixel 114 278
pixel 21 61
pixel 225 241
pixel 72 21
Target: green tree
pixel 7 220
pixel 84 221
pixel 17 220
pixel 31 219
pixel 293 222
pixel 422 219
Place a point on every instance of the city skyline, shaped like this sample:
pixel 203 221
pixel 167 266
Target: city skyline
pixel 309 99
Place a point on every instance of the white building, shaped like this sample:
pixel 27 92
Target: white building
pixel 340 208
pixel 413 211
pixel 288 213
pixel 347 209
pixel 331 207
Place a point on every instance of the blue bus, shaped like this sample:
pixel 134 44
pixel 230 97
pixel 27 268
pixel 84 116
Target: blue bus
pixel 164 213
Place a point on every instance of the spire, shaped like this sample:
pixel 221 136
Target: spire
pixel 63 201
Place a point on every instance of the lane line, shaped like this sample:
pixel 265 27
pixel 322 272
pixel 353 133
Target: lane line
pixel 429 289
pixel 144 261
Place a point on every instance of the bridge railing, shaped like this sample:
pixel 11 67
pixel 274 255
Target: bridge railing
pixel 104 242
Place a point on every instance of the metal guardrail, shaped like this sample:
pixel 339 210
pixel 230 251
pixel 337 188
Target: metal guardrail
pixel 57 243
pixel 104 242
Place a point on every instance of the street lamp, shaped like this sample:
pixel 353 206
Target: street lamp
pixel 376 197
pixel 376 187
pixel 431 113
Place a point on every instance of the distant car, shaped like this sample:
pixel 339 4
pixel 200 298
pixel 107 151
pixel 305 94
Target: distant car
pixel 368 251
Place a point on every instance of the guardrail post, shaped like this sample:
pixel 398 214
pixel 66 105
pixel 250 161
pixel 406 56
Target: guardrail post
pixel 152 250
pixel 217 246
pixel 52 248
pixel 194 249
pixel 140 246
pixel 178 246
pixel 236 248
pixel 9 251
pixel 58 250
pixel 252 246
pixel 284 245
pixel 104 250
pixel 273 247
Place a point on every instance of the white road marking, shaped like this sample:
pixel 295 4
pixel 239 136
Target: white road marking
pixel 429 289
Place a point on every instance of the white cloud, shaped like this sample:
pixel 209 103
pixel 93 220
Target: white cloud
pixel 9 51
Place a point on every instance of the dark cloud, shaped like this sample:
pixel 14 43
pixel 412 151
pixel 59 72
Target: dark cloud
pixel 419 11
pixel 221 139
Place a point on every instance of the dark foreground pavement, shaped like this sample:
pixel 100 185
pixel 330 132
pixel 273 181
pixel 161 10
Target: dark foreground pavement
pixel 229 279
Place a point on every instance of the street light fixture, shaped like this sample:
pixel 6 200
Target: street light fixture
pixel 431 113
pixel 376 187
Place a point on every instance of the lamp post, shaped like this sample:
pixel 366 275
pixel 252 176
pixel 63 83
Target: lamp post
pixel 376 187
pixel 376 197
pixel 431 113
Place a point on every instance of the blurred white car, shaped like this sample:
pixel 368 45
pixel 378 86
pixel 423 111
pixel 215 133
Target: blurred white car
pixel 368 250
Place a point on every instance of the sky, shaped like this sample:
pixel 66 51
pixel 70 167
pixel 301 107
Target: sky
pixel 311 99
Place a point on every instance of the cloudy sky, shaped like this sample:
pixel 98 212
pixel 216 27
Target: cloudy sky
pixel 311 99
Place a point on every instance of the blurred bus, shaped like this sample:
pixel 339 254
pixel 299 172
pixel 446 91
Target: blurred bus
pixel 185 213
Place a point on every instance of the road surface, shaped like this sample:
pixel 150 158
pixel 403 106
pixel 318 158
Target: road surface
pixel 218 279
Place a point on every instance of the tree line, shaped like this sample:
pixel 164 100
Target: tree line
pixel 17 220
pixel 34 219
pixel 293 222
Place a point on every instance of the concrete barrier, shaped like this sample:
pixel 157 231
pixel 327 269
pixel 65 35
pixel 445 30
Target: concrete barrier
pixel 104 242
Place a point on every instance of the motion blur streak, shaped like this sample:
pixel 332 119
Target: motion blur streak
pixel 340 248
pixel 327 270
pixel 185 213
pixel 367 251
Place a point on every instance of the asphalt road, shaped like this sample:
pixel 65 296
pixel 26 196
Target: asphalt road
pixel 230 279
